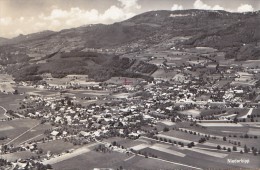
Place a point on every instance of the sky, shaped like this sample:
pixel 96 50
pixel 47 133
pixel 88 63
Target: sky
pixel 30 16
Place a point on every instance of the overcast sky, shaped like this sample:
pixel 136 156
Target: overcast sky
pixel 28 16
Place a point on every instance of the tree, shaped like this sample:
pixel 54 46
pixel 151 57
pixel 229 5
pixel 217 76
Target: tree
pixel 229 150
pixel 246 149
pixel 224 138
pixel 234 148
pixel 166 129
pixel 40 151
pixel 114 143
pixel 218 147
pixel 255 151
pixel 235 120
pixel 190 145
pixel 16 92
pixel 202 140
pixel 48 166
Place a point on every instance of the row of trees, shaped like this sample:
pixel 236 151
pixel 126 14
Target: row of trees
pixel 246 149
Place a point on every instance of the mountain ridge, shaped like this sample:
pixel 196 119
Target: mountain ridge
pixel 235 34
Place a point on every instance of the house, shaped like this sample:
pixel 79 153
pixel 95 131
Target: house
pixel 55 134
pixel 85 134
pixel 133 135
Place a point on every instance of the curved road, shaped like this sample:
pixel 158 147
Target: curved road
pixel 5 112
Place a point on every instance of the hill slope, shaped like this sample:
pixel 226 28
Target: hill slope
pixel 236 34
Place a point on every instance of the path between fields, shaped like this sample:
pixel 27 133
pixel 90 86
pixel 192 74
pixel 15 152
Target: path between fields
pixel 67 156
pixel 30 139
pixel 5 114
pixel 22 134
pixel 129 158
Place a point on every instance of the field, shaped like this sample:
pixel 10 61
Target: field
pixel 21 130
pixel 220 124
pixel 127 143
pixel 208 153
pixel 114 160
pixel 177 139
pixel 6 83
pixel 214 143
pixel 182 135
pixel 10 101
pixel 220 130
pixel 233 134
pixel 253 164
pixel 36 91
pixel 124 80
pixel 201 50
pixel 92 160
pixel 251 63
pixel 192 158
pixel 18 155
pixel 140 147
pixel 15 127
pixel 85 93
pixel 254 131
pixel 168 123
pixel 192 112
pixel 66 156
pixel 141 163
pixel 166 150
pixel 161 73
pixel 56 146
pixel 121 95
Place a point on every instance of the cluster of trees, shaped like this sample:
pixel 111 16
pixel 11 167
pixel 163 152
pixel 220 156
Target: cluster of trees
pixel 228 149
pixel 102 148
pixel 202 140
pixel 144 67
pixel 100 67
pixel 166 129
pixel 4 163
pixel 206 137
pixel 190 145
pixel 170 141
pixel 241 136
pixel 3 137
pixel 26 72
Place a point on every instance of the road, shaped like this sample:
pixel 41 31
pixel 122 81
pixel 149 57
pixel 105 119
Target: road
pixel 248 114
pixel 5 114
pixel 67 156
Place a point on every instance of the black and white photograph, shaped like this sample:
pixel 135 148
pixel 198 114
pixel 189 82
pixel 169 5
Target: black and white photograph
pixel 129 84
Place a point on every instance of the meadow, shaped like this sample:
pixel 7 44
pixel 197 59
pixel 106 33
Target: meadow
pixel 56 146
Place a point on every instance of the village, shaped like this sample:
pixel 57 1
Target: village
pixel 199 108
